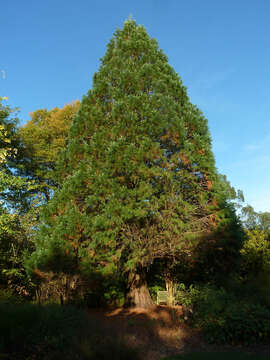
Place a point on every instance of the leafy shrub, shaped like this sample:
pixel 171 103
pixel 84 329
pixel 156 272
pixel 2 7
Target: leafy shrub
pixel 153 291
pixel 7 296
pixel 113 295
pixel 226 318
pixel 253 288
pixel 239 324
pixel 186 296
pixel 256 252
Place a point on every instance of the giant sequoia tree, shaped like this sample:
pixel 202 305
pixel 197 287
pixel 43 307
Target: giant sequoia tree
pixel 138 178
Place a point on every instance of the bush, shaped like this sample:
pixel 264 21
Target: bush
pixel 256 252
pixel 238 324
pixel 7 296
pixel 224 317
pixel 154 290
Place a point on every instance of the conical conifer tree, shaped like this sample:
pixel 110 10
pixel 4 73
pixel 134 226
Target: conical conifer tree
pixel 138 176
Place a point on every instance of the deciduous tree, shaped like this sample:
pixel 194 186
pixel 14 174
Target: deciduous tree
pixel 42 139
pixel 12 237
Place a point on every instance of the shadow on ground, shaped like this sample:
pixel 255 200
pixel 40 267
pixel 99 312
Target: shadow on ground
pixel 162 333
pixel 155 333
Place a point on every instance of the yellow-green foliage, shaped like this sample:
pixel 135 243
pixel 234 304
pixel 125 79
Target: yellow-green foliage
pixel 46 133
pixel 44 137
pixel 11 232
pixel 6 150
pixel 256 251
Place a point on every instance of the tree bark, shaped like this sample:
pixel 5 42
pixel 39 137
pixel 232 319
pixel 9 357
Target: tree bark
pixel 170 287
pixel 138 295
pixel 38 295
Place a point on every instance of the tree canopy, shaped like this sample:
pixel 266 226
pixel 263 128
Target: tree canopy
pixel 11 232
pixel 10 183
pixel 42 139
pixel 255 220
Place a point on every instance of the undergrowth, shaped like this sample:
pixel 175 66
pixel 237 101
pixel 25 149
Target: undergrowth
pixel 225 316
pixel 29 331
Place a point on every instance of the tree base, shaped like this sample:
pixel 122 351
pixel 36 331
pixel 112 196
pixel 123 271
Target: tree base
pixel 138 295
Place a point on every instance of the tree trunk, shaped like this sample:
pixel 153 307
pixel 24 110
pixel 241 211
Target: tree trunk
pixel 61 300
pixel 38 295
pixel 170 287
pixel 138 294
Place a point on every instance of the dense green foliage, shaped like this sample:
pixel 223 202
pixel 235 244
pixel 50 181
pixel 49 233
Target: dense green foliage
pixel 256 252
pixel 10 184
pixel 13 246
pixel 237 314
pixel 12 234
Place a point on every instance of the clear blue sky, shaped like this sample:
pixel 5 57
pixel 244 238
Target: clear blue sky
pixel 221 49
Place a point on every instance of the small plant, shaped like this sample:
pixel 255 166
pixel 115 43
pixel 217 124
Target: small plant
pixel 153 291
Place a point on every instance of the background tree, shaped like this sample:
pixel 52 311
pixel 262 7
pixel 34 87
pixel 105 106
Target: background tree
pixel 42 139
pixel 255 220
pixel 12 235
pixel 138 176
pixel 256 252
pixel 264 221
pixel 10 183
